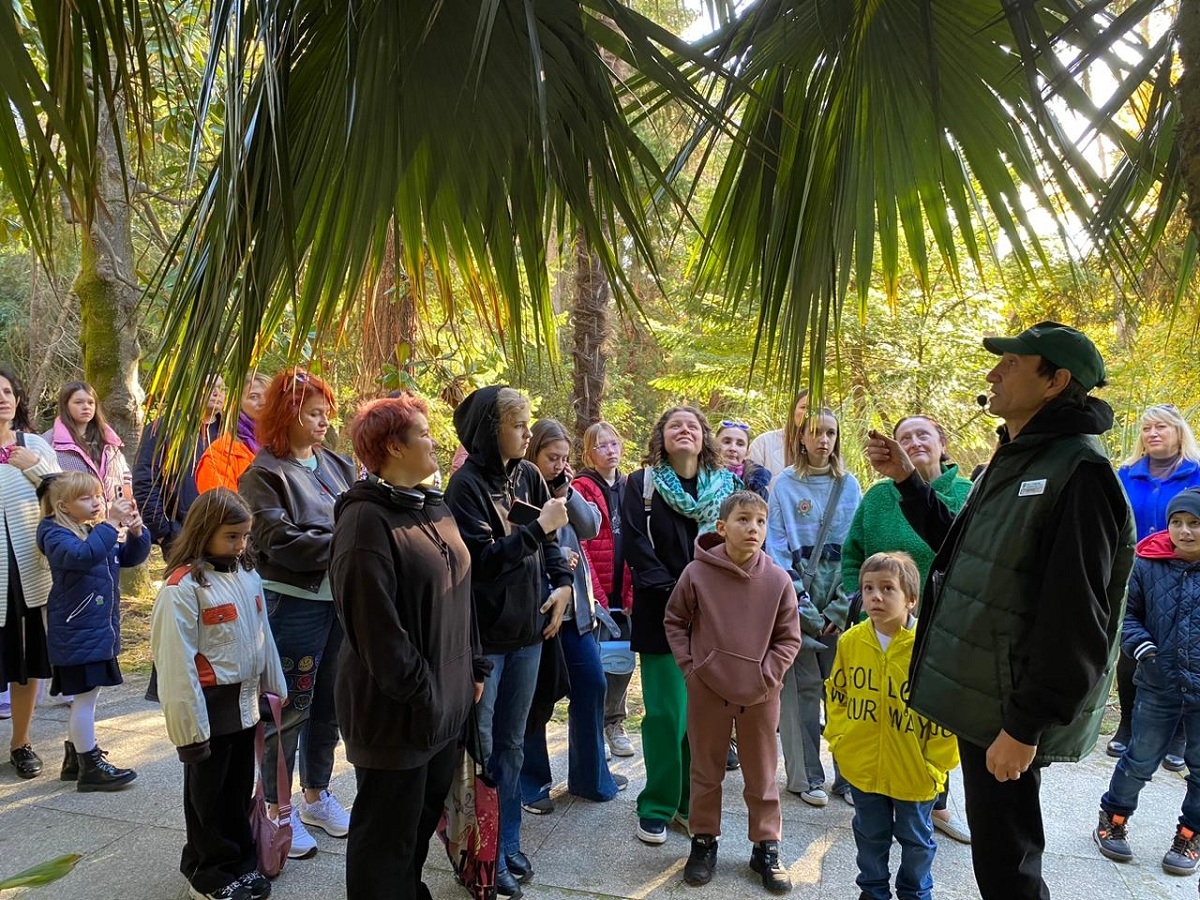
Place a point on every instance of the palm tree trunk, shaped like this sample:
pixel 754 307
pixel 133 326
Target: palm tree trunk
pixel 1189 107
pixel 108 291
pixel 590 336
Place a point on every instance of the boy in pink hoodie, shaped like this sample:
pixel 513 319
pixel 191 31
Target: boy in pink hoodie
pixel 734 629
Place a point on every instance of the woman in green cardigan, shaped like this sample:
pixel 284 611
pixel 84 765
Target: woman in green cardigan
pixel 880 527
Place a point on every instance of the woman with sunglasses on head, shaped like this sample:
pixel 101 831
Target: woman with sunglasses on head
pixel 1165 461
pixel 733 443
pixel 879 526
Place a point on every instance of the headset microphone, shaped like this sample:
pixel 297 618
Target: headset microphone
pixel 982 400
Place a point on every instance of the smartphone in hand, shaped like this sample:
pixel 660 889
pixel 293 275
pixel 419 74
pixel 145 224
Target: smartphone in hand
pixel 522 513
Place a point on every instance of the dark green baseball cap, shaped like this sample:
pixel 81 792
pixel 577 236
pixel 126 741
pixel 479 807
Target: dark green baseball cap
pixel 1062 345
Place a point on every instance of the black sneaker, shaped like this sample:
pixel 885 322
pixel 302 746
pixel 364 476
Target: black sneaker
pixel 507 887
pixel 1184 854
pixel 257 883
pixel 1111 837
pixel 27 763
pixel 233 891
pixel 698 870
pixel 652 831
pixel 731 758
pixel 764 859
pixel 542 807
pixel 520 866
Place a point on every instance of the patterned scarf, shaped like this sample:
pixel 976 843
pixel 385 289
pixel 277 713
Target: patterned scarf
pixel 712 486
pixel 245 432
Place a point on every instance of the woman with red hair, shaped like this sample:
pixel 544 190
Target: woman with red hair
pixel 291 487
pixel 411 666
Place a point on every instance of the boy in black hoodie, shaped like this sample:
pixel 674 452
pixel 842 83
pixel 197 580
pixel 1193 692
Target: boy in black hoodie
pixel 512 566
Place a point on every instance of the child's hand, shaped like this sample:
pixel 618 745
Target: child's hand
pixel 120 511
pixel 134 524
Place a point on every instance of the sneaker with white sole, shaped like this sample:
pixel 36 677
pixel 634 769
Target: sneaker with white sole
pixel 618 741
pixel 257 884
pixel 232 891
pixel 815 797
pixel 303 843
pixel 1184 855
pixel 954 828
pixel 326 814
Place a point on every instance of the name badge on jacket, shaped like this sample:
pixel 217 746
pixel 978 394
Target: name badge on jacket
pixel 1032 488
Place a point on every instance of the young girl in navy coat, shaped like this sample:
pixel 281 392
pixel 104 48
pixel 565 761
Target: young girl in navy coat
pixel 83 631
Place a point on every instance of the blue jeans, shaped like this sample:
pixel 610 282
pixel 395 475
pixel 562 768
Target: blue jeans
pixel 307 634
pixel 1156 716
pixel 503 708
pixel 587 772
pixel 878 819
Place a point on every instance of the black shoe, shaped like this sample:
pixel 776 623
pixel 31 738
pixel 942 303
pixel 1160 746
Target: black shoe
pixel 70 766
pixel 257 884
pixel 97 774
pixel 1120 741
pixel 520 866
pixel 698 870
pixel 27 763
pixel 764 859
pixel 1173 763
pixel 235 890
pixel 507 887
pixel 731 759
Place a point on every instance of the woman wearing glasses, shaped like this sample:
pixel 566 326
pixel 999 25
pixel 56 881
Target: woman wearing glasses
pixel 733 443
pixel 1165 461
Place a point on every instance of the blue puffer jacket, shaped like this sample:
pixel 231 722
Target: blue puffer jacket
pixel 1162 618
pixel 84 618
pixel 1149 496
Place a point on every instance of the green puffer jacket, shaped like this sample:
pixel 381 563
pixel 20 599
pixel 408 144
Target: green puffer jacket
pixel 1024 604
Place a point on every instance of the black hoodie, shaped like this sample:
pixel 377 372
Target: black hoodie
pixel 510 564
pixel 411 654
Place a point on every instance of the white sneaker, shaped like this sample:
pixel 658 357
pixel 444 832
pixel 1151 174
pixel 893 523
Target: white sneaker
pixel 815 797
pixel 618 740
pixel 326 814
pixel 303 843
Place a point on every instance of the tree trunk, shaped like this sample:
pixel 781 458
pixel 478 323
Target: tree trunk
pixel 1189 107
pixel 591 334
pixel 108 292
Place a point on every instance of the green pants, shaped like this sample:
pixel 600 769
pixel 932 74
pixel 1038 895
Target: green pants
pixel 664 739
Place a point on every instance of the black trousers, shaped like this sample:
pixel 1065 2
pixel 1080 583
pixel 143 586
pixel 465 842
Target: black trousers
pixel 216 810
pixel 1007 837
pixel 394 815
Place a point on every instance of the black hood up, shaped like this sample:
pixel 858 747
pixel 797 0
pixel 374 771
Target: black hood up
pixel 477 422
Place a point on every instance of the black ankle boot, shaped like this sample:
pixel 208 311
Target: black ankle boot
pixel 70 766
pixel 764 859
pixel 97 774
pixel 698 869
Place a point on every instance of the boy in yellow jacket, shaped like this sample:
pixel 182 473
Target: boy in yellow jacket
pixel 895 760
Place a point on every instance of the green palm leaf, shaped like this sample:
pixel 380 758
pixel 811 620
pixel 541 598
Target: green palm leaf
pixel 42 874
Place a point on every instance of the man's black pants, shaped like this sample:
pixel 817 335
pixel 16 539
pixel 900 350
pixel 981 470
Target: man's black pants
pixel 1007 837
pixel 216 812
pixel 394 815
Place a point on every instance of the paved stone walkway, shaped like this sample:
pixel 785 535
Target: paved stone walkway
pixel 130 841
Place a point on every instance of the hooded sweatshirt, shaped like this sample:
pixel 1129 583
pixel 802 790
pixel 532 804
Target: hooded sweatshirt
pixel 510 564
pixel 1162 617
pixel 734 627
pixel 408 663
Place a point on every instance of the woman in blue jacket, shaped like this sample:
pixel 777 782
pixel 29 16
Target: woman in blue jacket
pixel 1165 461
pixel 83 631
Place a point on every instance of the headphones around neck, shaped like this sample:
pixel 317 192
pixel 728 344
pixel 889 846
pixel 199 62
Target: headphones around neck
pixel 414 498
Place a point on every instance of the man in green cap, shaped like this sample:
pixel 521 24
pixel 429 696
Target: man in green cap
pixel 1018 629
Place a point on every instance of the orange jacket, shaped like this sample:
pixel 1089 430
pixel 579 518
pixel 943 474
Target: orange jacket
pixel 223 464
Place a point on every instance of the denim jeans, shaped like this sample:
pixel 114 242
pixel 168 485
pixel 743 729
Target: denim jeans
pixel 307 634
pixel 503 708
pixel 1156 717
pixel 878 819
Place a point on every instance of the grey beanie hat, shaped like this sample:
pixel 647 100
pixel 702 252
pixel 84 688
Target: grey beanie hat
pixel 1185 501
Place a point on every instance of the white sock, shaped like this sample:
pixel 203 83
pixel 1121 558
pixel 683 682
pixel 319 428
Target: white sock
pixel 81 724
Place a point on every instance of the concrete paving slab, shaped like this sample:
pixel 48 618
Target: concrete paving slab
pixel 130 841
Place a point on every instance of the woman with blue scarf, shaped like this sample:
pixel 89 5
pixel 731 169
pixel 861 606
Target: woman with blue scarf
pixel 675 497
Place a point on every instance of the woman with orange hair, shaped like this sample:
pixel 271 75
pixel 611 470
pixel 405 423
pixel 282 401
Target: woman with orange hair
pixel 291 488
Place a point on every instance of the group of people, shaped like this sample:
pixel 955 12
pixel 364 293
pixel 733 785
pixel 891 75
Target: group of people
pixel 930 622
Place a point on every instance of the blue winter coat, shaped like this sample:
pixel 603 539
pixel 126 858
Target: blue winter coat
pixel 1149 496
pixel 1162 618
pixel 83 613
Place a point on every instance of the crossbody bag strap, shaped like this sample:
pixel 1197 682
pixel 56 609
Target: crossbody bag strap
pixel 648 498
pixel 283 784
pixel 810 568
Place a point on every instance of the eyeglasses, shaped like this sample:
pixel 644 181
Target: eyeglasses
pixel 728 424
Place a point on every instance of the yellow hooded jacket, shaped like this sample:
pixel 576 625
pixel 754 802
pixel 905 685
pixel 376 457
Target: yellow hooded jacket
pixel 881 746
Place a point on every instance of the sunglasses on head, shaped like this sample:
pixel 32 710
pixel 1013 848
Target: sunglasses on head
pixel 728 424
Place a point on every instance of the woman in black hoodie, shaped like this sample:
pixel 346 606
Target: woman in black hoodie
pixel 514 560
pixel 410 665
